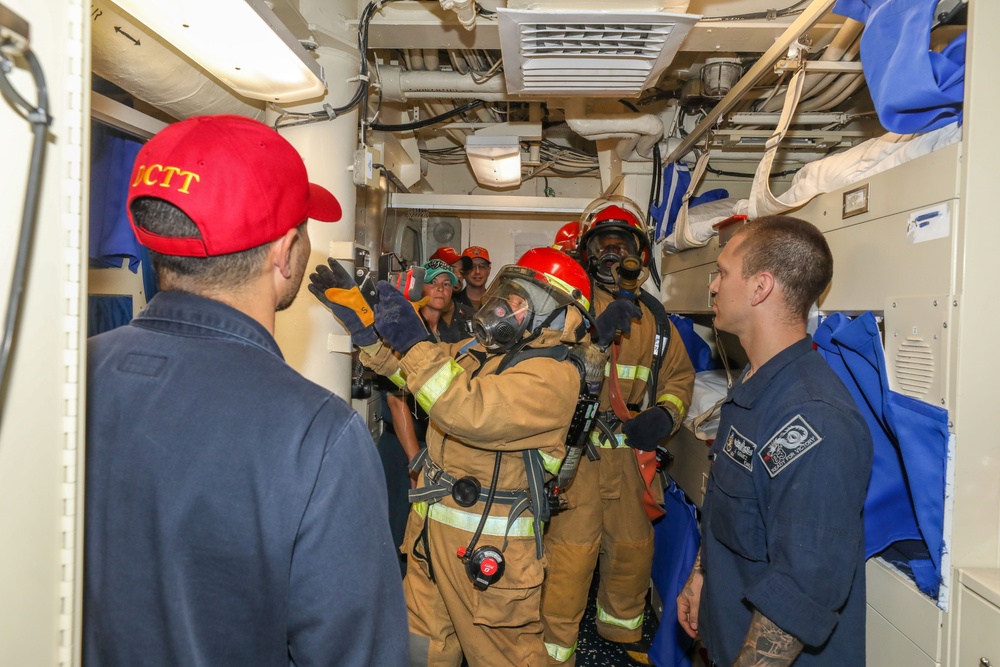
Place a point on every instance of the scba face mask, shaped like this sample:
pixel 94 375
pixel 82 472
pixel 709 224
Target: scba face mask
pixel 503 318
pixel 515 304
pixel 607 251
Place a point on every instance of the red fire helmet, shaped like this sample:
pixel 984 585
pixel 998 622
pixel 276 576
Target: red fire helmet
pixel 561 272
pixel 568 237
pixel 613 218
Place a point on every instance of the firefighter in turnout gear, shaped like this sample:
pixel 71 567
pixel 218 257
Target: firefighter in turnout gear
pixel 646 392
pixel 500 407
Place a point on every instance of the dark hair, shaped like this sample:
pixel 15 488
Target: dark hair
pixel 221 271
pixel 795 252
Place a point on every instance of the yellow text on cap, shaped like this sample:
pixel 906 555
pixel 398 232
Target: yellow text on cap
pixel 157 174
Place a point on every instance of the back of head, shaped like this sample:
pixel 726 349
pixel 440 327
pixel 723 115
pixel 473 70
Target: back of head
pixel 207 194
pixel 156 216
pixel 794 251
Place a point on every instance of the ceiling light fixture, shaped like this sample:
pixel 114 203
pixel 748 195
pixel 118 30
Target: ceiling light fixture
pixel 240 42
pixel 495 160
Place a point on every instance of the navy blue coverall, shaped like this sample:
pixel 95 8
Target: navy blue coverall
pixel 782 518
pixel 235 511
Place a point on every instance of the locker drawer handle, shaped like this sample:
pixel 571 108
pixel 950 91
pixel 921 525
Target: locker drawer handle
pixel 985 662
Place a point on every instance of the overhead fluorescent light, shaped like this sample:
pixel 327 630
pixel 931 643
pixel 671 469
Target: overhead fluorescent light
pixel 241 42
pixel 495 160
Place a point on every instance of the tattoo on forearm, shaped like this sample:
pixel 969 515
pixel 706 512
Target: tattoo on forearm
pixel 687 591
pixel 767 645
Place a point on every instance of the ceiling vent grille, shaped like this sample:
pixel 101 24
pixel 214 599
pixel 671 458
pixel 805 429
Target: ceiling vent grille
pixel 603 54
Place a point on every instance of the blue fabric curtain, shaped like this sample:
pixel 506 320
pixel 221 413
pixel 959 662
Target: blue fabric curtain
pixel 697 348
pixel 676 179
pixel 105 313
pixel 914 89
pixel 150 283
pixel 112 154
pixel 905 502
pixel 676 541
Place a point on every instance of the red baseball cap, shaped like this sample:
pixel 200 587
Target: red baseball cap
pixel 475 251
pixel 238 180
pixel 446 254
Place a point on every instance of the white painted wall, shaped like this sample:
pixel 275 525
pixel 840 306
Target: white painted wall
pixel 500 233
pixel 40 420
pixel 327 148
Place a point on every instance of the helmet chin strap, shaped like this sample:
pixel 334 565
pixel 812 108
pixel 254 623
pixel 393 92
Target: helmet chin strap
pixel 537 331
pixel 510 352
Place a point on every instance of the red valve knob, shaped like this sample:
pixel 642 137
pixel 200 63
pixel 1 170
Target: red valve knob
pixel 488 566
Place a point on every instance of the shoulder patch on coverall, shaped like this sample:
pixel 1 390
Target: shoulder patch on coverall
pixel 790 442
pixel 739 448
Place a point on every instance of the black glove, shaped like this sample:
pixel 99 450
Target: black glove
pixel 646 429
pixel 616 317
pixel 336 290
pixel 396 320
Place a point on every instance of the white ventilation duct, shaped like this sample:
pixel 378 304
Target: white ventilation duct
pixel 399 85
pixel 639 131
pixel 136 61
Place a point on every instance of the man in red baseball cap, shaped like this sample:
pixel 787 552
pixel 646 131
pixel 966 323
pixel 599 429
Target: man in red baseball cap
pixel 476 267
pixel 228 497
pixel 453 259
pixel 447 254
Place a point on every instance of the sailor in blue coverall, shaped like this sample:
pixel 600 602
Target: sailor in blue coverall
pixel 236 511
pixel 780 522
pixel 780 578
